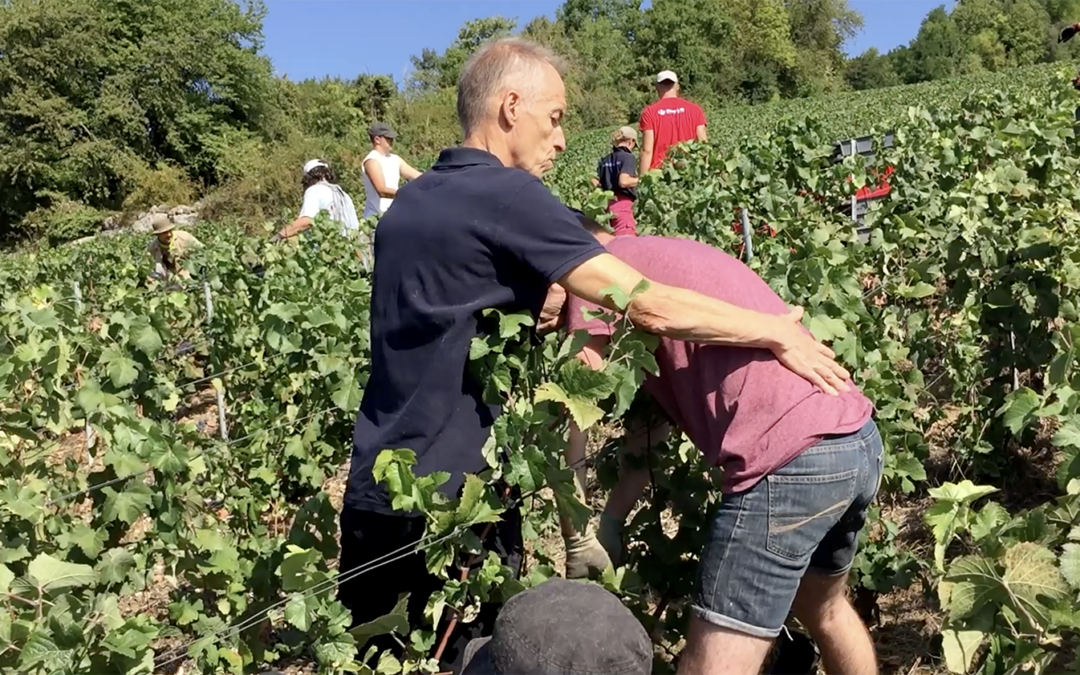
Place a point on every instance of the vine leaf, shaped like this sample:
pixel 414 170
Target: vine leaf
pixel 1070 564
pixel 1019 406
pixel 50 574
pixel 1030 586
pixel 960 643
pixel 584 413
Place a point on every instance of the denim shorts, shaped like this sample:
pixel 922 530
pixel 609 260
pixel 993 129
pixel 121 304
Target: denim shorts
pixel 805 515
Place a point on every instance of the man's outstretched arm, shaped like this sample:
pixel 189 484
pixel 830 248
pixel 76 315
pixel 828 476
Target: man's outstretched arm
pixel 685 315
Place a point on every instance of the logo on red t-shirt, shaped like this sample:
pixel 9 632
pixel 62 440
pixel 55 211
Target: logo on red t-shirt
pixel 672 120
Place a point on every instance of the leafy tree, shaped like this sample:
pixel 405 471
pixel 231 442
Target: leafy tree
pixel 871 70
pixel 819 29
pixel 432 71
pixel 91 88
pixel 939 48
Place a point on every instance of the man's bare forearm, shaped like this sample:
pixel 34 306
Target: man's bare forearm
pixel 682 314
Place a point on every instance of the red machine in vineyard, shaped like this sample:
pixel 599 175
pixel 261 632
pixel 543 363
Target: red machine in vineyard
pixel 877 189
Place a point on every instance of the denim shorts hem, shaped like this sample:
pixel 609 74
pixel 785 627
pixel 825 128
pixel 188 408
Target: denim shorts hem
pixel 821 571
pixel 727 622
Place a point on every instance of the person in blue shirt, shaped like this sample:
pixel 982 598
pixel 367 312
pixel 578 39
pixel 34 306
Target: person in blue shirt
pixel 481 231
pixel 617 173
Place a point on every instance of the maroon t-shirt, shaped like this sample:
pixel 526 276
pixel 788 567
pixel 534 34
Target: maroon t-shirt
pixel 672 120
pixel 741 407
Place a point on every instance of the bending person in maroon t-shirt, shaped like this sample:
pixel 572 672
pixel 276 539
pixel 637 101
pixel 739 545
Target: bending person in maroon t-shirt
pixel 800 469
pixel 668 121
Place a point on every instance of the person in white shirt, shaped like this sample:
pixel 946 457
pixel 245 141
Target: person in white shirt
pixel 321 193
pixel 383 170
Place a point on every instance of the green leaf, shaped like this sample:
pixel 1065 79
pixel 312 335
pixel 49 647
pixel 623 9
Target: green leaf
pixel 1034 582
pixel 960 646
pixel 50 574
pixel 388 664
pixel 584 413
pixel 942 519
pixel 397 622
pixel 1068 436
pixel 580 381
pixel 128 504
pixel 1019 406
pixel 919 290
pixel 347 395
pixel 988 520
pixel 147 340
pixel 296 612
pixel 826 328
pixel 122 372
pixel 6 577
pixel 618 296
pixel 476 503
pixel 114 566
pixel 963 492
pixel 510 324
pixel 295 569
pixel 975 582
pixel 1070 564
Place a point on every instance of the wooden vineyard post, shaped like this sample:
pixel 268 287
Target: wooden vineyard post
pixel 88 431
pixel 219 388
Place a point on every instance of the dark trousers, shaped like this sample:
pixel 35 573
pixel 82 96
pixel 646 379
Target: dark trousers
pixel 367 536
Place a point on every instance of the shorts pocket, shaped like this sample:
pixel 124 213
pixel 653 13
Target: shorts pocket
pixel 802 510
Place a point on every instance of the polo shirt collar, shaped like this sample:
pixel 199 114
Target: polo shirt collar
pixel 461 156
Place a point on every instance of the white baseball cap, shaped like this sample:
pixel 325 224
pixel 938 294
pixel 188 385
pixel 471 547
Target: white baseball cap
pixel 312 163
pixel 665 75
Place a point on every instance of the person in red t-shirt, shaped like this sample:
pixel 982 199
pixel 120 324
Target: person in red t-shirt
pixel 800 470
pixel 668 121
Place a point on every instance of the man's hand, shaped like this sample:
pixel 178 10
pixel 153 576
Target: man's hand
pixel 551 313
pixel 797 349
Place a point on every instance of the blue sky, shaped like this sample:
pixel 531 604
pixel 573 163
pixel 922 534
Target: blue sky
pixel 313 38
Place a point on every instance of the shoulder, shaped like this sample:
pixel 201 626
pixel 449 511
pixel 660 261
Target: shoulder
pixel 317 190
pixel 374 154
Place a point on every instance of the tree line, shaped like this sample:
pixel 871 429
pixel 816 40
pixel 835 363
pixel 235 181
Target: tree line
pixel 110 106
pixel 976 36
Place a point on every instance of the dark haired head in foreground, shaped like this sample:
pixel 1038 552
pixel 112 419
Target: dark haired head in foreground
pixel 562 628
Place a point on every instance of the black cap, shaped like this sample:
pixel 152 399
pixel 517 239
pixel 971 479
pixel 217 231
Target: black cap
pixel 564 628
pixel 381 129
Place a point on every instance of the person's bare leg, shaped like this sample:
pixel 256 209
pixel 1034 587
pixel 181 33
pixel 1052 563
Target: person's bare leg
pixel 585 557
pixel 822 606
pixel 712 650
pixel 633 477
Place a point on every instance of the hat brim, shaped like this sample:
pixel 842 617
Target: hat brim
pixel 162 230
pixel 477 658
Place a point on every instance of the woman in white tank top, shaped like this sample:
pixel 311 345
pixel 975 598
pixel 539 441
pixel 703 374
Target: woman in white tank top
pixel 383 170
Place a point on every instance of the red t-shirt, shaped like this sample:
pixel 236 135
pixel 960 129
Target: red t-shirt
pixel 741 407
pixel 672 120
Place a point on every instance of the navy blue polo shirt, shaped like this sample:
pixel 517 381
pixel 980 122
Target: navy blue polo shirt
pixel 467 235
pixel 610 166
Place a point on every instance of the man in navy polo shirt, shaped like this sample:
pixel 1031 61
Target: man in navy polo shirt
pixel 478 231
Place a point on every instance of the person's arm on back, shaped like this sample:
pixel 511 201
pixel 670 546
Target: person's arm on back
pixel 702 135
pixel 407 171
pixel 375 175
pixel 682 314
pixel 541 233
pixel 627 176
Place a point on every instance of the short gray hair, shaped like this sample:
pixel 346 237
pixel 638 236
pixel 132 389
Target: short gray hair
pixel 491 68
